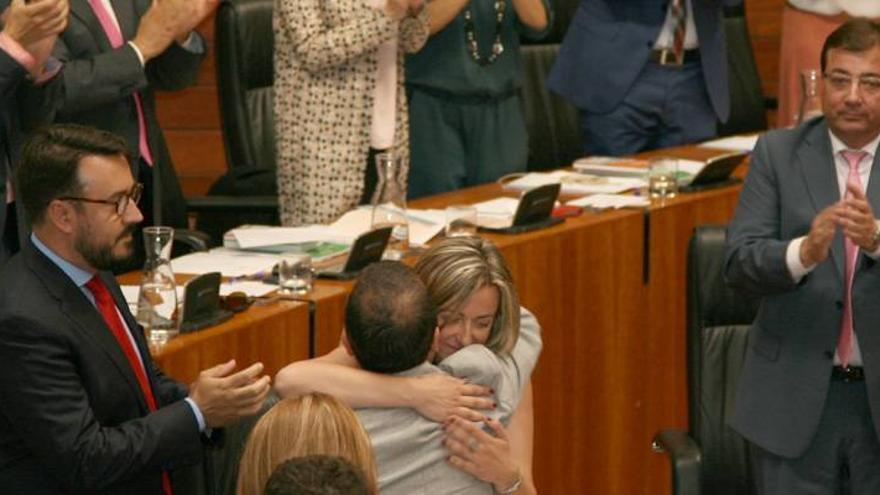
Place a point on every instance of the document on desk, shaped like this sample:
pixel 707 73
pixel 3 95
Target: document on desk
pixel 496 212
pixel 229 262
pixel 577 183
pixel 610 201
pixel 734 143
pixel 256 237
pixel 423 224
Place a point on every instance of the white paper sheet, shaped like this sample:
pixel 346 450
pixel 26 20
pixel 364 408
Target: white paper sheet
pixel 270 236
pixel 577 183
pixel 736 143
pixel 610 201
pixel 423 224
pixel 229 262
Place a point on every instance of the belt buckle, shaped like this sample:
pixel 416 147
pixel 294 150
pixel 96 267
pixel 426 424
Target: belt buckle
pixel 667 57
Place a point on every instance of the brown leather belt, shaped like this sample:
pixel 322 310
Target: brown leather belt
pixel 848 374
pixel 666 57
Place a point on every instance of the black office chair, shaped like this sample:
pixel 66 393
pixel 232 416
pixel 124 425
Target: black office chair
pixel 711 458
pixel 552 122
pixel 244 43
pixel 747 103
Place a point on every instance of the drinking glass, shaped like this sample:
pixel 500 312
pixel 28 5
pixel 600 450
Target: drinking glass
pixel 295 274
pixel 663 177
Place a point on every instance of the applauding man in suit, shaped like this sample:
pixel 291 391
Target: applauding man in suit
pixel 28 35
pixel 83 408
pixel 116 55
pixel 805 238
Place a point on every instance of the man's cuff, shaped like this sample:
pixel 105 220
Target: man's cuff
pixel 793 260
pixel 17 52
pixel 137 51
pixel 198 413
pixel 193 43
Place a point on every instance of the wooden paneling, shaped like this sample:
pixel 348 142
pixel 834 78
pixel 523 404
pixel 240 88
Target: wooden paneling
pixel 275 335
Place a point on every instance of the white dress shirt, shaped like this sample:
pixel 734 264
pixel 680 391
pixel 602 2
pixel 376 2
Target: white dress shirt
pixel 841 167
pixel 667 33
pixel 385 95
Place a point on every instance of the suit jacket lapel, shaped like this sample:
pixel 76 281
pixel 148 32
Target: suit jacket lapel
pixel 816 160
pixel 82 314
pixel 83 11
pixel 126 17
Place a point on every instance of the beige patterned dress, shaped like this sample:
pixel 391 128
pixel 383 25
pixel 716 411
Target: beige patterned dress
pixel 325 76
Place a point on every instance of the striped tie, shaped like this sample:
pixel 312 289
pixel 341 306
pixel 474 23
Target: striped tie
pixel 678 10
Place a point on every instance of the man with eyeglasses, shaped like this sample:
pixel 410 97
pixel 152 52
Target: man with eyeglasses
pixel 805 238
pixel 83 408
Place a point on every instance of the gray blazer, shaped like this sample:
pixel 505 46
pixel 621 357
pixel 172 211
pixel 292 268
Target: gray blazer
pixel 788 362
pixel 407 446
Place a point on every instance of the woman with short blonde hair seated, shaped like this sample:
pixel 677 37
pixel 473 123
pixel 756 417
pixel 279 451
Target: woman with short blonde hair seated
pixel 306 425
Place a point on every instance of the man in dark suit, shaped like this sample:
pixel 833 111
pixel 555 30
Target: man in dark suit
pixel 83 408
pixel 28 35
pixel 116 54
pixel 645 74
pixel 805 238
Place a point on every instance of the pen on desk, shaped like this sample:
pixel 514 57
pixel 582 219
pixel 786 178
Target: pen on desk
pixel 258 276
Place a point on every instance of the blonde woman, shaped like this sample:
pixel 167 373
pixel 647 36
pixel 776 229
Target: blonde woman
pixel 306 425
pixel 339 98
pixel 477 302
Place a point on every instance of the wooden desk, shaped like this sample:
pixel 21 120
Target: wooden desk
pixel 275 334
pixel 613 368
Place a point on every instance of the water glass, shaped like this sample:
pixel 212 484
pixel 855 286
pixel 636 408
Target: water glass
pixel 663 177
pixel 295 274
pixel 461 221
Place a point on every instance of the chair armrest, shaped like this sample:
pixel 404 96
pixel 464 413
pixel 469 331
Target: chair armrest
pixel 685 460
pixel 195 240
pixel 233 204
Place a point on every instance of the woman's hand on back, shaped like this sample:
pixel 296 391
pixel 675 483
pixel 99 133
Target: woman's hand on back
pixel 484 455
pixel 438 397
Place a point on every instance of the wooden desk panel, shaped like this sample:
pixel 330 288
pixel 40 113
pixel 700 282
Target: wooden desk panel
pixel 275 334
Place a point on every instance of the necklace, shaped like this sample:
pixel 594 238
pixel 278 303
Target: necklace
pixel 470 35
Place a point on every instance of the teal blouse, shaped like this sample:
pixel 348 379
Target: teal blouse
pixel 445 63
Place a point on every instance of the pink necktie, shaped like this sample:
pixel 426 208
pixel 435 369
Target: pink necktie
pixel 845 340
pixel 115 36
pixel 679 17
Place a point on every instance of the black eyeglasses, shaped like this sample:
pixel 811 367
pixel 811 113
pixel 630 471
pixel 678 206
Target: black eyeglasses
pixel 121 204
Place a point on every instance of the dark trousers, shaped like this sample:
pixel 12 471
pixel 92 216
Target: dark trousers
pixel 843 458
pixel 666 106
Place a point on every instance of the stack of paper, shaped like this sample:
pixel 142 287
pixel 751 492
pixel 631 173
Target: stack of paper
pixel 735 143
pixel 423 224
pixel 610 201
pixel 497 212
pixel 577 183
pixel 229 262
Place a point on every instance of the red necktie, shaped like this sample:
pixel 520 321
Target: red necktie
pixel 107 308
pixel 115 36
pixel 845 340
pixel 678 9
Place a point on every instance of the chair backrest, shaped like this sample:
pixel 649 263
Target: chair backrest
pixel 747 109
pixel 551 122
pixel 717 335
pixel 244 43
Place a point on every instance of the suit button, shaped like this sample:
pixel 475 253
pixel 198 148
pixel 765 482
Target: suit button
pixel 829 354
pixel 838 304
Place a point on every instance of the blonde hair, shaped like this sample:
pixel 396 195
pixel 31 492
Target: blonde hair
pixel 455 268
pixel 301 426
